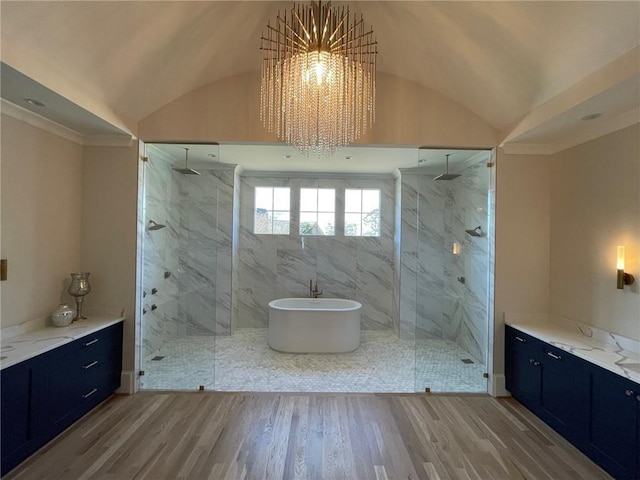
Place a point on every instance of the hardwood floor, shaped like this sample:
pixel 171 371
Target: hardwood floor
pixel 152 436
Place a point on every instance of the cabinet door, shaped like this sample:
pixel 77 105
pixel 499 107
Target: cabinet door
pixel 613 428
pixel 563 403
pixel 15 411
pixel 522 368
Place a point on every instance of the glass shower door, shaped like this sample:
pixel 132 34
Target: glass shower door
pixel 451 320
pixel 178 326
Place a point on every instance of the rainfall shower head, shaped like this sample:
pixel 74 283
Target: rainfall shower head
pixel 476 232
pixel 186 170
pixel 447 175
pixel 155 226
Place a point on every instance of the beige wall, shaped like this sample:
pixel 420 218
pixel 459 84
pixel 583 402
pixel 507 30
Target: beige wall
pixel 595 206
pixel 109 211
pixel 406 114
pixel 41 220
pixel 523 194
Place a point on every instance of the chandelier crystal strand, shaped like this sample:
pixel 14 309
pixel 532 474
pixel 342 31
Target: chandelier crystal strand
pixel 317 88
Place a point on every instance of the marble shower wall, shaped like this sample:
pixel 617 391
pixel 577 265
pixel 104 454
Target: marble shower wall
pixel 434 215
pixel 279 266
pixel 195 247
pixel 160 254
pixel 205 250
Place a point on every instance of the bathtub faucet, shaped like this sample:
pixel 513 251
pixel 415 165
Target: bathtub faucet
pixel 313 291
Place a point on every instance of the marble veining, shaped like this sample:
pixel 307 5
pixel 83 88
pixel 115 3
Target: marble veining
pixel 32 343
pixel 278 266
pixel 433 303
pixel 610 351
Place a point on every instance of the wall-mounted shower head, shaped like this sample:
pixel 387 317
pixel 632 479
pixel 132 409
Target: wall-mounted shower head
pixel 476 232
pixel 186 170
pixel 447 175
pixel 155 226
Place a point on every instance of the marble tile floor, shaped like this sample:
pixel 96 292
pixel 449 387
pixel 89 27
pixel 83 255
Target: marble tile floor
pixel 244 362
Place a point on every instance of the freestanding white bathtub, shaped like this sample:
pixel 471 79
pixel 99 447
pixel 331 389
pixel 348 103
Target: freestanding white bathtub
pixel 309 325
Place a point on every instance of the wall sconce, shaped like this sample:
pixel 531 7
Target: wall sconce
pixel 456 248
pixel 622 278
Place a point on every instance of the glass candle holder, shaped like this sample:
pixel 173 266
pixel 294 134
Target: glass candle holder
pixel 78 289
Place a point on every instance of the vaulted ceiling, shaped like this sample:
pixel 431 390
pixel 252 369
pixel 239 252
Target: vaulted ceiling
pixel 519 66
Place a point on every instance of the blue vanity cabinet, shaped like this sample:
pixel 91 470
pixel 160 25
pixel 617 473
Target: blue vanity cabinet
pixel 613 437
pixel 15 409
pixel 522 367
pixel 598 411
pixel 563 403
pixel 547 380
pixel 75 378
pixel 44 395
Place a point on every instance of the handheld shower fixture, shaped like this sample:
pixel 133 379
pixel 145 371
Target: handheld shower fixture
pixel 155 226
pixel 476 232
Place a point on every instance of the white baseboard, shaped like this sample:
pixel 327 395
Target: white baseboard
pixel 127 383
pixel 497 386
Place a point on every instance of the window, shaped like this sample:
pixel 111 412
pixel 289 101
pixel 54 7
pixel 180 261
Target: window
pixel 361 212
pixel 317 211
pixel 272 214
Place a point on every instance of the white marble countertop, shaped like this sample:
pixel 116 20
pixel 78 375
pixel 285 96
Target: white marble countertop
pixel 32 342
pixel 610 351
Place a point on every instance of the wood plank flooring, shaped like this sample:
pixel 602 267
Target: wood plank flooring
pixel 153 436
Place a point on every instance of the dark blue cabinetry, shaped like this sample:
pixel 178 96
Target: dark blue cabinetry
pixel 44 395
pixel 547 381
pixel 596 410
pixel 614 423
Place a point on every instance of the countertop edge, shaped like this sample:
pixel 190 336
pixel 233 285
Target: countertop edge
pixel 530 329
pixel 62 337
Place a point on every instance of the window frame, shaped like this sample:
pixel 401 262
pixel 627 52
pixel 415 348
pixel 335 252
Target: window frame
pixel 270 213
pixel 317 212
pixel 362 213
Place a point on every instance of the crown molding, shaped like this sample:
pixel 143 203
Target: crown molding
pixel 38 121
pixel 527 148
pixel 585 134
pixel 108 140
pixel 598 129
pixel 49 126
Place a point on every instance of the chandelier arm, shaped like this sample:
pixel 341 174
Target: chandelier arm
pixel 304 45
pixel 351 29
pixel 335 30
pixel 306 32
pixel 326 24
pixel 350 41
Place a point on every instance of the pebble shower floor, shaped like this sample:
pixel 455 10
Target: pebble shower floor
pixel 244 362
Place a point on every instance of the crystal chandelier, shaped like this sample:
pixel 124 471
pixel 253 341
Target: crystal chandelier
pixel 318 82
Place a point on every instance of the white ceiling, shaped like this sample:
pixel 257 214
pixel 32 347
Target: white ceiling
pixel 530 70
pixel 284 158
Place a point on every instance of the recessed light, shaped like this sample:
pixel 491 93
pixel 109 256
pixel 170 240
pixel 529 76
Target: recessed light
pixel 287 156
pixel 348 157
pixel 34 102
pixel 591 116
pixel 212 155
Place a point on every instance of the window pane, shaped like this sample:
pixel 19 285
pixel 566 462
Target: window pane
pixel 326 224
pixel 309 199
pixel 352 224
pixel 326 200
pixel 371 225
pixel 264 197
pixel 370 201
pixel 281 222
pixel 352 200
pixel 281 198
pixel 262 222
pixel 308 223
